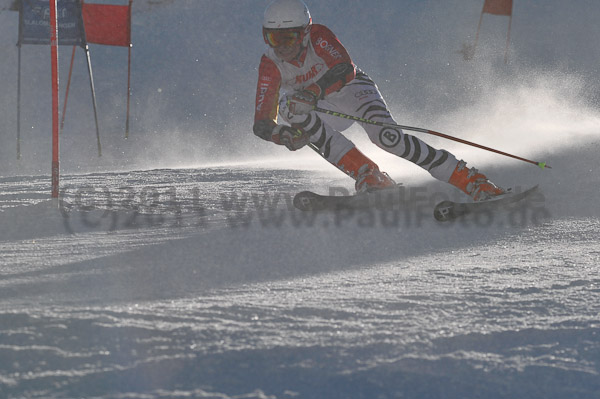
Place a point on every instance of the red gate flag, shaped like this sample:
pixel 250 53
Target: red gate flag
pixel 498 7
pixel 107 24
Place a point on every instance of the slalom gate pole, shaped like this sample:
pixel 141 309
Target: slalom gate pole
pixel 19 106
pixel 93 90
pixel 541 165
pixel 507 39
pixel 128 74
pixel 62 121
pixel 55 105
pixel 128 90
pixel 477 34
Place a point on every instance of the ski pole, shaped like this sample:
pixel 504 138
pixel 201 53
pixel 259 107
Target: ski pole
pixel 541 165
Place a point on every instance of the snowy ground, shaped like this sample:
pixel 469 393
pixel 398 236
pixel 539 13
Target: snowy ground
pixel 185 283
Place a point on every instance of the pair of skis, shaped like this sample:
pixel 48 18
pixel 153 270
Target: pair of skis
pixel 443 211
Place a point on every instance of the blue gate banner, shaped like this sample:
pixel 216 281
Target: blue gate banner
pixel 34 22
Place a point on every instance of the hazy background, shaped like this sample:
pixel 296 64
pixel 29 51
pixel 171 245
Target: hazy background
pixel 194 72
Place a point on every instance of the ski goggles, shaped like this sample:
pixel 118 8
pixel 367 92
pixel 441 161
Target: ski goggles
pixel 282 37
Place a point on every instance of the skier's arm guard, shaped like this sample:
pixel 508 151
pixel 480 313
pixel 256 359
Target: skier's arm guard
pixel 335 78
pixel 332 80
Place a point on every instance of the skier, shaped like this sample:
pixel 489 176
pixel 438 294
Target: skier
pixel 307 66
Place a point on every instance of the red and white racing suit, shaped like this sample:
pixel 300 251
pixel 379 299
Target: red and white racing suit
pixel 343 88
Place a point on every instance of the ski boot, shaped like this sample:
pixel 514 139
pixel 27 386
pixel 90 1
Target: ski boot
pixel 473 183
pixel 372 179
pixel 366 173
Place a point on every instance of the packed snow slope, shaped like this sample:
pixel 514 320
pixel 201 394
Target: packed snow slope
pixel 182 283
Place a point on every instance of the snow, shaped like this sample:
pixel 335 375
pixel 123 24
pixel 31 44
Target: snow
pixel 215 287
pixel 176 267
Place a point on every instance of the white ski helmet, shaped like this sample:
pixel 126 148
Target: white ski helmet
pixel 283 14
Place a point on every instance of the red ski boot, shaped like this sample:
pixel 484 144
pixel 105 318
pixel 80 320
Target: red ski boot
pixel 473 183
pixel 366 173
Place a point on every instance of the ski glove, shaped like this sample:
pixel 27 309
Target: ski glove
pixel 304 101
pixel 292 138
